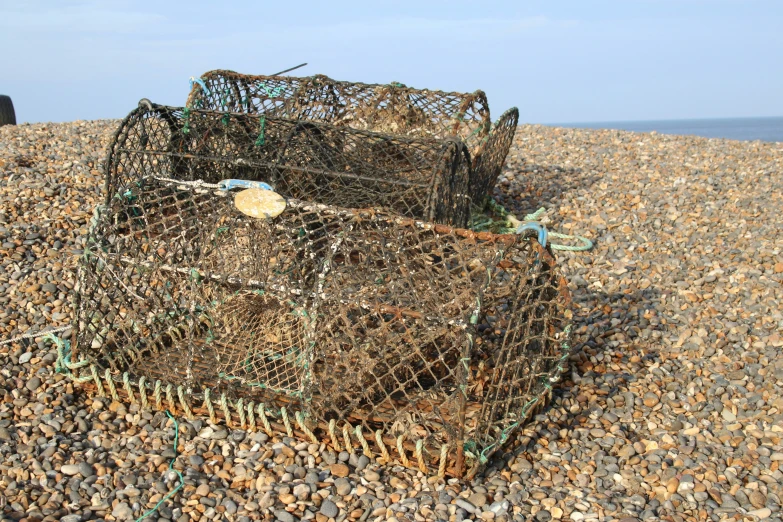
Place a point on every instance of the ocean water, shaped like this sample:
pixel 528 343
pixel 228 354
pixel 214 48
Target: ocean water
pixel 745 129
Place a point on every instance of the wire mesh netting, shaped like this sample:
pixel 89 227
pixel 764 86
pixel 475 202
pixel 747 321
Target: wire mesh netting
pixel 409 341
pixel 385 108
pixel 425 178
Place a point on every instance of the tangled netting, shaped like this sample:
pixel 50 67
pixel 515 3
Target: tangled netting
pixel 413 342
pixel 384 108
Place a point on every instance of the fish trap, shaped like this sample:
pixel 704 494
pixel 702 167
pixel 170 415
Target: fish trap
pixel 385 108
pixel 425 178
pixel 410 342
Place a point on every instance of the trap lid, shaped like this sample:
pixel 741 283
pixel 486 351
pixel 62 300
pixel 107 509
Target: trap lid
pixel 259 203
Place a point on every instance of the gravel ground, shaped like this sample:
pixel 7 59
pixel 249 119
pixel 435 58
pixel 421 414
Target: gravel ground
pixel 672 409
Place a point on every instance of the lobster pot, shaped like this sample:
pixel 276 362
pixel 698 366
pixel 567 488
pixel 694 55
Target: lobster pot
pixel 423 178
pixel 411 342
pixel 389 109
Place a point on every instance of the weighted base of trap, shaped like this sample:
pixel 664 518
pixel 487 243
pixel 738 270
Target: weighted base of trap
pixel 280 422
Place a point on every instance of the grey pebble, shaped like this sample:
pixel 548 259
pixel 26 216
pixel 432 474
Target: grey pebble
pixel 362 463
pixel 478 500
pixel 122 511
pixel 70 469
pixel 329 509
pixel 464 504
pixel 230 506
pixel 86 470
pixel 329 457
pixel 343 486
pixel 543 516
pixel 284 516
pixel 353 460
pixel 196 460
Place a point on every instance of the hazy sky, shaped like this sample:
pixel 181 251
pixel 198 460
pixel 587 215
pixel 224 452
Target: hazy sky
pixel 557 60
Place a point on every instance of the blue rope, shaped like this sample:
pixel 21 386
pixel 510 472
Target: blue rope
pixel 530 219
pixel 199 81
pixel 228 184
pixel 536 227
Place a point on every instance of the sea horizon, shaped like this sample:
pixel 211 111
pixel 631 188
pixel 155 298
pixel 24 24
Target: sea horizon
pixel 767 128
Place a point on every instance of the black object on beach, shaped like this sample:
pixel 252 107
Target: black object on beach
pixel 7 114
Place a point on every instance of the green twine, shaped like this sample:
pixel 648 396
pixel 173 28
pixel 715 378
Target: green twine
pixel 272 93
pixel 261 139
pixel 171 467
pixel 470 448
pixel 506 432
pixel 478 129
pixel 63 354
pixel 480 221
pixel 186 118
pixel 63 364
pixel 195 275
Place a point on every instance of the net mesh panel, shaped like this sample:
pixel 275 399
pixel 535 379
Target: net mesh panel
pixel 418 336
pixel 419 177
pixel 385 108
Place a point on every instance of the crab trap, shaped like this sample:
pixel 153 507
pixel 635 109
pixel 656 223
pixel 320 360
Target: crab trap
pixel 411 342
pixel 392 109
pixel 425 178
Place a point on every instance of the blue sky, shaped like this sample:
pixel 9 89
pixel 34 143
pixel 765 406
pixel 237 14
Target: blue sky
pixel 558 61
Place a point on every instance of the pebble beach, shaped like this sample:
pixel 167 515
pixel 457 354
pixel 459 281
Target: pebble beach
pixel 671 408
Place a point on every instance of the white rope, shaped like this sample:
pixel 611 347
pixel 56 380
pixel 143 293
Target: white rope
pixel 223 186
pixel 39 334
pixel 195 184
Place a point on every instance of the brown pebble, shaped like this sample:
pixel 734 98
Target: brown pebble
pixel 287 498
pixel 288 452
pixel 758 499
pixel 651 399
pixel 398 483
pixel 339 470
